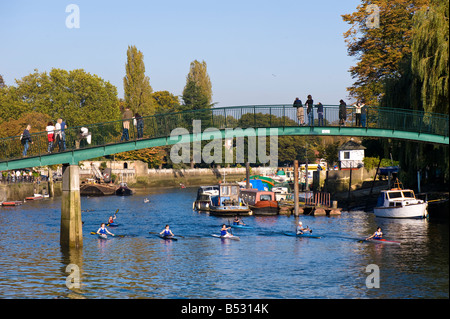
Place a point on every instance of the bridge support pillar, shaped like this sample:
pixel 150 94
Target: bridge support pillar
pixel 71 227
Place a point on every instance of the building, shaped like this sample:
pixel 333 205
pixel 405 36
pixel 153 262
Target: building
pixel 351 155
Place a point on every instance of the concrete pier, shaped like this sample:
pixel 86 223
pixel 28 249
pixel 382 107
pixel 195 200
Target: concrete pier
pixel 71 226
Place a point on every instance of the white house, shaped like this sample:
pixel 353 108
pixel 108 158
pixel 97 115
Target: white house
pixel 351 155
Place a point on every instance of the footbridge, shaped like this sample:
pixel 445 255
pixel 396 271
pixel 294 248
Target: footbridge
pixel 107 138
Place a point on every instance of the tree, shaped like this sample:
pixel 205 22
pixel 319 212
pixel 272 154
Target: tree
pixel 2 82
pixel 197 93
pixel 165 102
pixel 137 89
pixel 77 96
pixel 379 48
pixel 430 55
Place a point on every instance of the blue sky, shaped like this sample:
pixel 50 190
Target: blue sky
pixel 257 52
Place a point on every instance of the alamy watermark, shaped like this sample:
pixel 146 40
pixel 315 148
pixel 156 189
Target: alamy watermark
pixel 73 19
pixel 373 279
pixel 73 280
pixel 222 142
pixel 373 20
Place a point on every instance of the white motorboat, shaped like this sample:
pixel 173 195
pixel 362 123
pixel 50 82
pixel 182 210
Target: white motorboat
pixel 400 203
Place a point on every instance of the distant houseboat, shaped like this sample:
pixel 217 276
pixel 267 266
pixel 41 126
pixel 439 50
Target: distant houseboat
pixel 228 202
pixel 260 202
pixel 124 190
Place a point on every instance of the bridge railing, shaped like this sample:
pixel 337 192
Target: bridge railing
pixel 161 125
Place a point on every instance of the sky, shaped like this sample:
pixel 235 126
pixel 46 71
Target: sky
pixel 257 52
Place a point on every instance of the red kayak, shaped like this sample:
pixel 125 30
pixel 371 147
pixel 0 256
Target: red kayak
pixel 382 241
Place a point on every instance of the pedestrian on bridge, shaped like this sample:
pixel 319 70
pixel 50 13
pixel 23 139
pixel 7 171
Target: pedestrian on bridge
pixel 320 114
pixel 127 115
pixel 26 140
pixel 300 115
pixel 309 110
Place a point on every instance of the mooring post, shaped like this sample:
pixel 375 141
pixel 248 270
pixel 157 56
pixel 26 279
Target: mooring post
pixel 247 175
pixel 71 226
pixel 296 188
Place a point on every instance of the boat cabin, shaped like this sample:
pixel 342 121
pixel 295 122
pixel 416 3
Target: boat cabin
pixel 252 196
pixel 395 197
pixel 228 195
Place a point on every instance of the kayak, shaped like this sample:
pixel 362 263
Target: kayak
pixel 226 237
pixel 112 225
pixel 102 236
pixel 310 235
pixel 241 226
pixel 381 241
pixel 167 237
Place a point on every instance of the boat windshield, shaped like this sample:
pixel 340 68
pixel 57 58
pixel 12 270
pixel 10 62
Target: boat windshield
pixel 265 197
pixel 393 195
pixel 408 194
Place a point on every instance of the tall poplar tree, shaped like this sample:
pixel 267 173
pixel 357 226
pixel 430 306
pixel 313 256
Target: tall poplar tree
pixel 197 93
pixel 137 89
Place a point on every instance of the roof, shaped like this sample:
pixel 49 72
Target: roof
pixel 351 145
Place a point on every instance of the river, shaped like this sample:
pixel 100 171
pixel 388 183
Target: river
pixel 263 264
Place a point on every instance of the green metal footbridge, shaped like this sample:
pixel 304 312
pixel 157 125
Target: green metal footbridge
pixel 156 130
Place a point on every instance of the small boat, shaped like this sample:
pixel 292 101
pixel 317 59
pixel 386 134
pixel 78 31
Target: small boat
pixel 228 202
pixel 146 200
pixel 112 225
pixel 124 190
pixel 34 197
pixel 204 194
pixel 226 237
pixel 241 226
pixel 400 203
pixel 381 241
pixel 310 235
pixel 12 203
pixel 168 237
pixel 102 236
pixel 260 202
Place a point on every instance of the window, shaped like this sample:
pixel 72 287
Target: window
pixel 346 155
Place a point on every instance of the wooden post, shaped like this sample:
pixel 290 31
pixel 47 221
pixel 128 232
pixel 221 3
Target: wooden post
pixel 51 189
pixel 71 234
pixel 247 175
pixel 296 211
pixel 349 186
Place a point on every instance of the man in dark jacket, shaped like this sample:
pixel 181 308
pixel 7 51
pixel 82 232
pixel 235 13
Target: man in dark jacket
pixel 26 140
pixel 300 115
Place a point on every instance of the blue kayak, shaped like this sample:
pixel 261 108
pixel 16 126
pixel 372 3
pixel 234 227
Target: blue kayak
pixel 242 226
pixel 112 225
pixel 310 235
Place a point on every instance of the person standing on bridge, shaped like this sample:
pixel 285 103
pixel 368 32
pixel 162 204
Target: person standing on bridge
pixel 320 114
pixel 342 112
pixel 126 117
pixel 50 136
pixel 26 140
pixel 62 141
pixel 139 125
pixel 358 106
pixel 309 110
pixel 300 115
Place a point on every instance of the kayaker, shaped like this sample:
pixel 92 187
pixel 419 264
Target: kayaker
pixel 224 231
pixel 166 231
pixel 237 221
pixel 111 219
pixel 376 235
pixel 103 230
pixel 301 229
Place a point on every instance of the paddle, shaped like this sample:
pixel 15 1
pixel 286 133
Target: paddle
pixel 94 233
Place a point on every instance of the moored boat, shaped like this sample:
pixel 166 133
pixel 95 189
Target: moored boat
pixel 400 203
pixel 12 203
pixel 260 202
pixel 204 194
pixel 228 202
pixel 124 190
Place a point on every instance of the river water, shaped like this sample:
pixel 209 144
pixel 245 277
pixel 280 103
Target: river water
pixel 263 264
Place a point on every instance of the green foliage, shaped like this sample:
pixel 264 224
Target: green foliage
pixel 197 93
pixel 165 102
pixel 77 96
pixel 136 85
